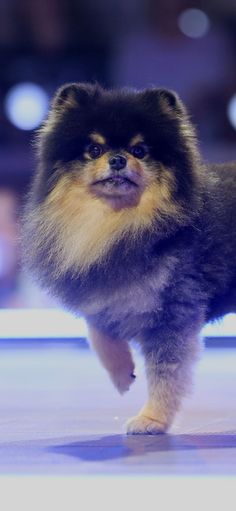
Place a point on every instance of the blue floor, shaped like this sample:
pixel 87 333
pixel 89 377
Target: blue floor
pixel 60 415
pixel 63 446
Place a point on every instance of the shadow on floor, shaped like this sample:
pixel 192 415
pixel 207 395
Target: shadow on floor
pixel 122 446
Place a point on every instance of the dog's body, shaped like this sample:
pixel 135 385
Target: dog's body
pixel 126 226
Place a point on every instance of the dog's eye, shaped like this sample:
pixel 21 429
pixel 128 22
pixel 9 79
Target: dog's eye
pixel 139 151
pixel 95 150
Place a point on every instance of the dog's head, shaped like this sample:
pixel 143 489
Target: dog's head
pixel 119 145
pixel 113 162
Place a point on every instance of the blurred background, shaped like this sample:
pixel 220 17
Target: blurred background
pixel 189 46
pixel 59 414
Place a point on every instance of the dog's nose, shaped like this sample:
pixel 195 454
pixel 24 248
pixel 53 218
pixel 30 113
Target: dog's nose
pixel 117 162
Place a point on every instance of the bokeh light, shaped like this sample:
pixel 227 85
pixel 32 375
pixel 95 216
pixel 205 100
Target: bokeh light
pixel 231 111
pixel 26 105
pixel 194 23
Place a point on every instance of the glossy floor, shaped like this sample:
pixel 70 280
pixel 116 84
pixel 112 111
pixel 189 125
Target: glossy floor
pixel 60 415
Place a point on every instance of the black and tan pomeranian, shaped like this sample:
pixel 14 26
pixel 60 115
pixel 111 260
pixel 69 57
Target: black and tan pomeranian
pixel 125 225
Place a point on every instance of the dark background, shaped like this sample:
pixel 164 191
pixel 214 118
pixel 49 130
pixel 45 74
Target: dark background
pixel 118 43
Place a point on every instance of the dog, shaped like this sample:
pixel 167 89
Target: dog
pixel 127 226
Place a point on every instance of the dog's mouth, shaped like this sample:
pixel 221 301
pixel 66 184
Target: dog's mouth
pixel 119 191
pixel 116 183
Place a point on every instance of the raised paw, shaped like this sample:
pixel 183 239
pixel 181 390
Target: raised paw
pixel 116 358
pixel 123 377
pixel 142 425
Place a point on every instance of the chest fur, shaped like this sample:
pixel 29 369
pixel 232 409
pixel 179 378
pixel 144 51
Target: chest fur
pixel 141 296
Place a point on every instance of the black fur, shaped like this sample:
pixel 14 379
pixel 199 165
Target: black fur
pixel 198 257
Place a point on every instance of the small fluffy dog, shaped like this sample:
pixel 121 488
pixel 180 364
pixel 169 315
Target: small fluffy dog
pixel 126 225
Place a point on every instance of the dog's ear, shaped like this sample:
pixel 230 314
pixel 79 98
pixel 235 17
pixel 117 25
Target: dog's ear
pixel 74 95
pixel 165 98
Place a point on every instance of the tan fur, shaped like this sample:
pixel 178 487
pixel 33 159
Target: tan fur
pixel 97 138
pixel 160 409
pixel 159 406
pixel 187 130
pixel 49 125
pixel 86 227
pixel 96 169
pixel 115 356
pixel 158 412
pixel 167 383
pixel 138 139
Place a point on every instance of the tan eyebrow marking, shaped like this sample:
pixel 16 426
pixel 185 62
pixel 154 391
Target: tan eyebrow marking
pixel 97 138
pixel 138 139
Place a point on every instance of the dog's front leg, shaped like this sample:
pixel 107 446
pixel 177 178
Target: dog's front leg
pixel 168 370
pixel 115 356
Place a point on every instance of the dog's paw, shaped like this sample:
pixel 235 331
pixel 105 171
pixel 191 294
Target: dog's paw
pixel 142 425
pixel 123 377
